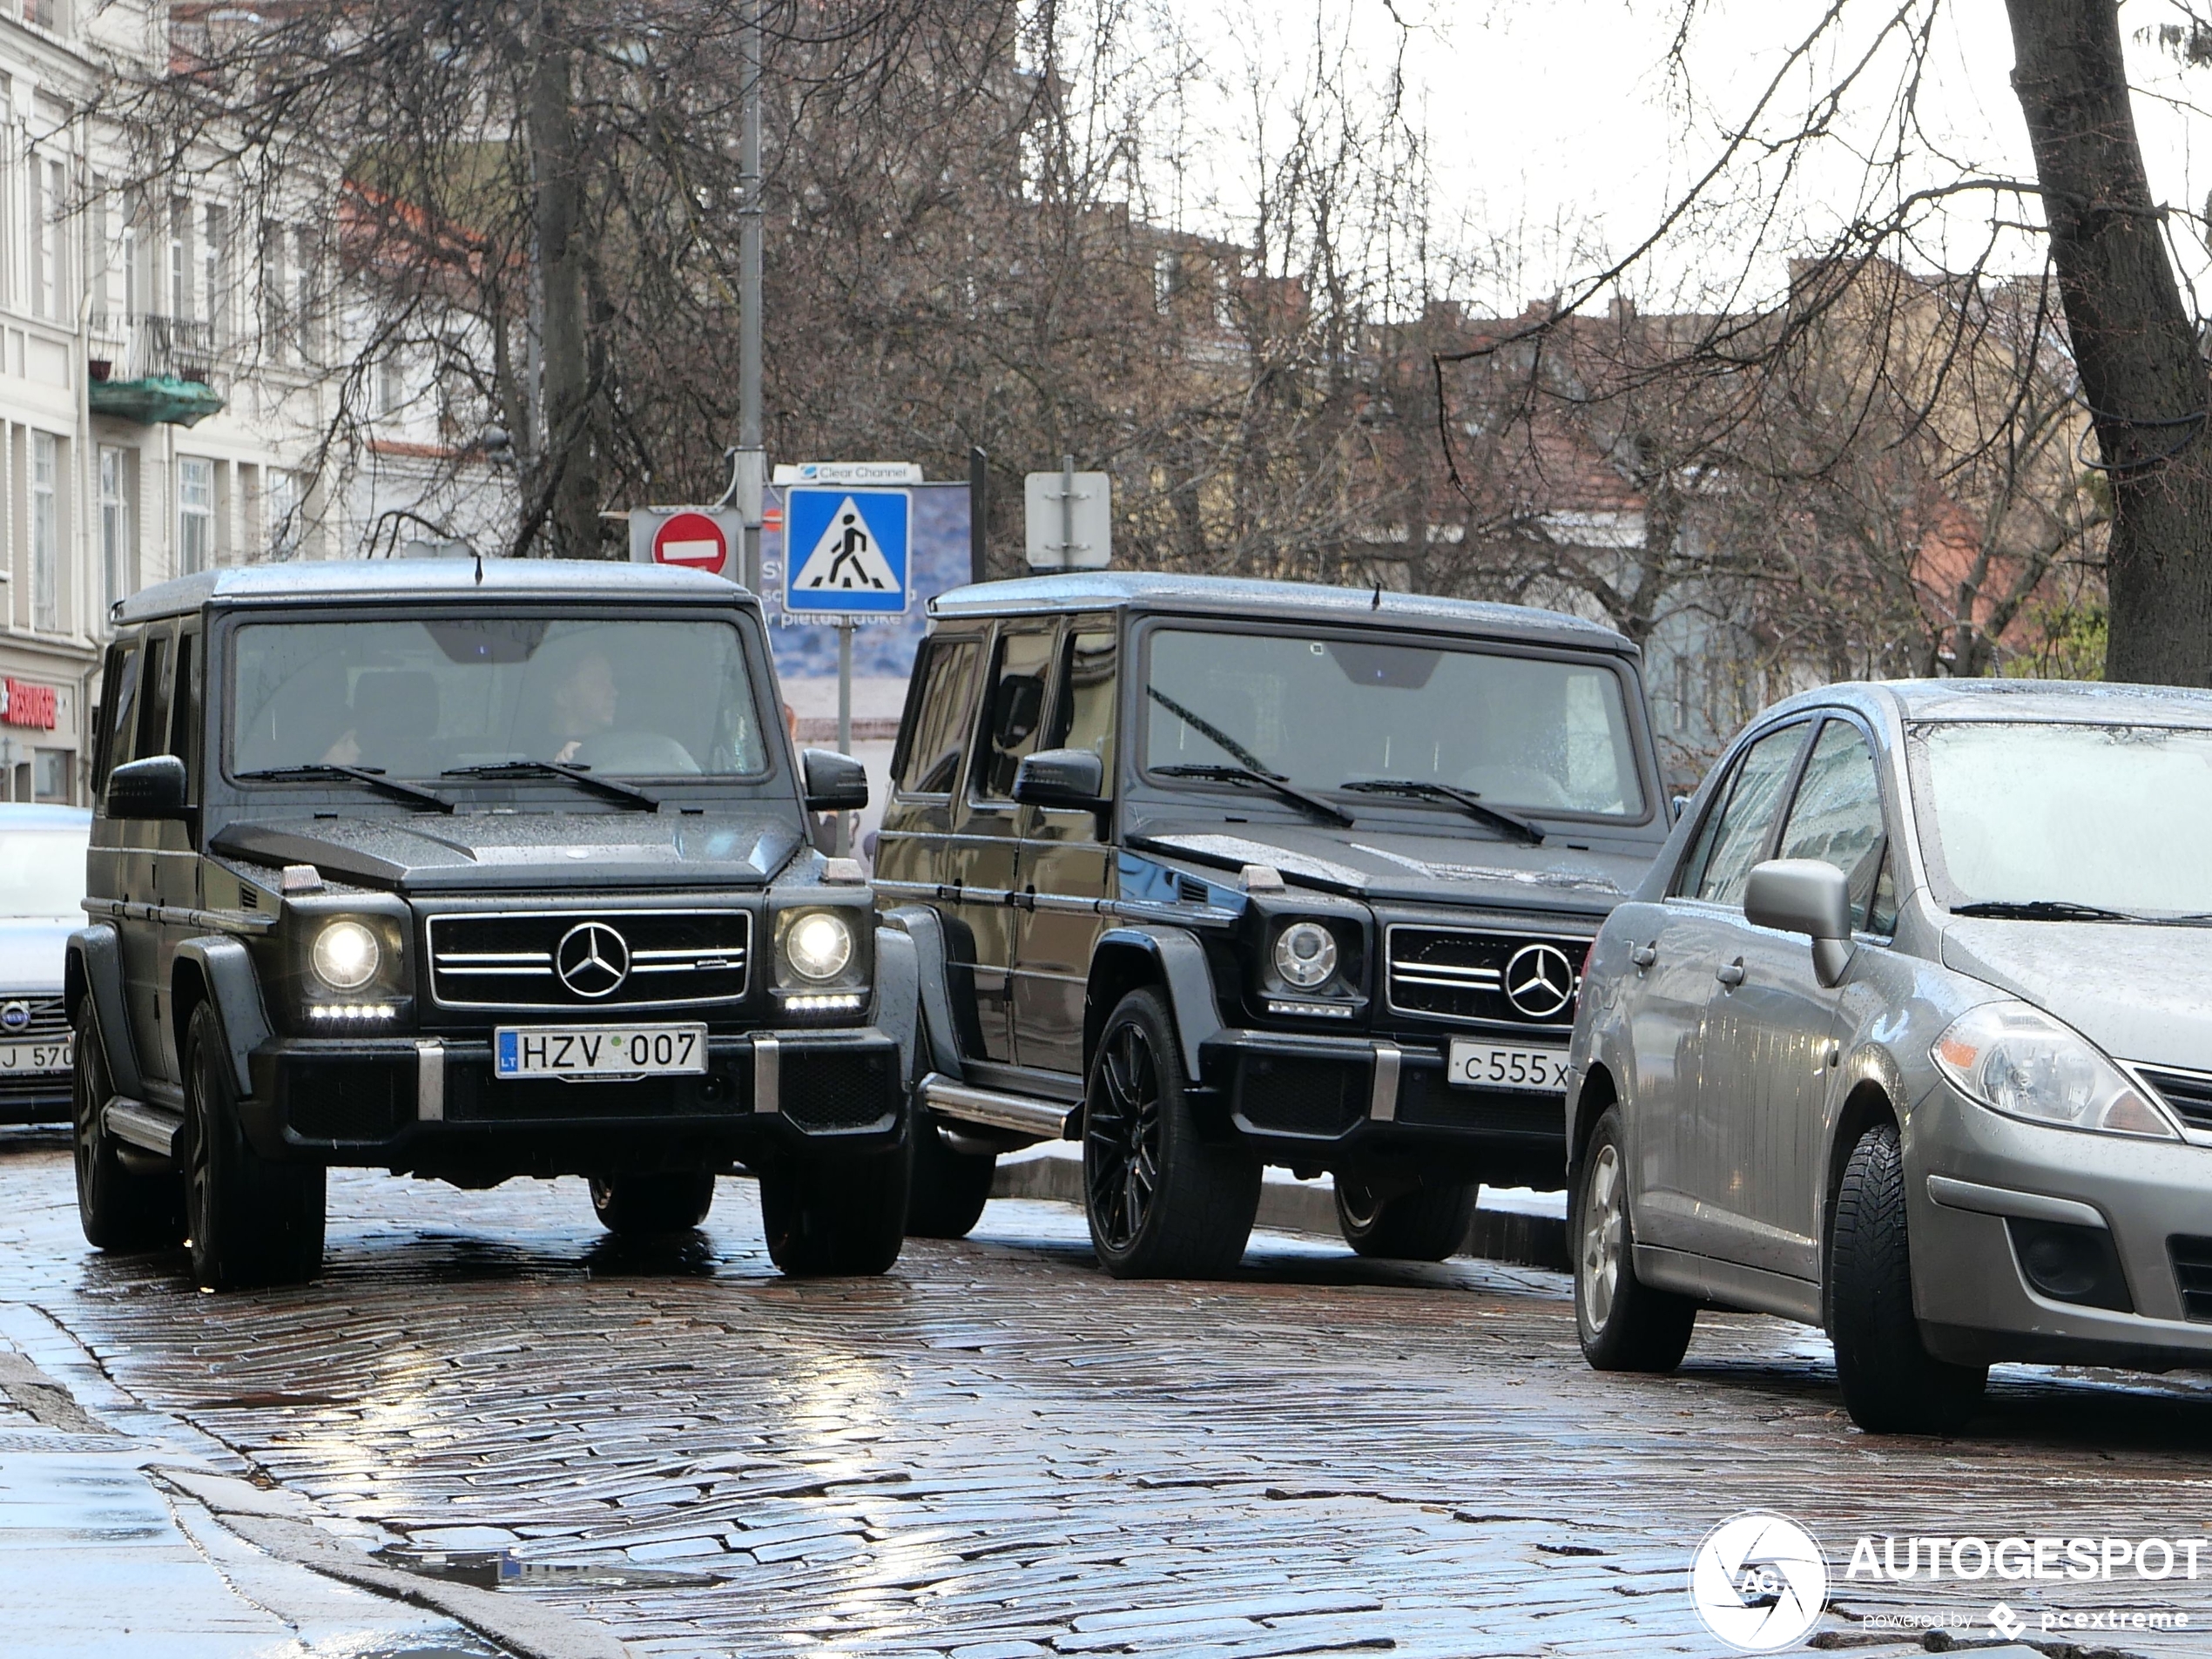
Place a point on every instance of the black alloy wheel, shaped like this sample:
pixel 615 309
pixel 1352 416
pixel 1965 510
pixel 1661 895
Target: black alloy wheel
pixel 254 1222
pixel 1163 1201
pixel 120 1208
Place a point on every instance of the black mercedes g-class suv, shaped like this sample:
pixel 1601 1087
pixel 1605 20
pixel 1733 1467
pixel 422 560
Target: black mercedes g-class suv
pixel 1212 874
pixel 472 871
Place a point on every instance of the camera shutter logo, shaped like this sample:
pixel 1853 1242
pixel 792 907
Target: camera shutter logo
pixel 1759 1581
pixel 592 959
pixel 1540 981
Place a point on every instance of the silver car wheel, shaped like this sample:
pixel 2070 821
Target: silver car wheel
pixel 1598 1263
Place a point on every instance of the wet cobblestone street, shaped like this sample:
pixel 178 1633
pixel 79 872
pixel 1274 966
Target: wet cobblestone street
pixel 997 1451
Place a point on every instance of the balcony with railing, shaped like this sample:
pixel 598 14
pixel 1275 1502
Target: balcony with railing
pixel 147 369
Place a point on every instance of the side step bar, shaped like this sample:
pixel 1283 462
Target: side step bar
pixel 144 1126
pixel 968 1104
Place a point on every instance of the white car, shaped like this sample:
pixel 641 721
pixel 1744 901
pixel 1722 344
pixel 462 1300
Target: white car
pixel 42 892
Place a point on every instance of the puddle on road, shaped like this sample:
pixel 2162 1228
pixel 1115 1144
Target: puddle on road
pixel 499 1569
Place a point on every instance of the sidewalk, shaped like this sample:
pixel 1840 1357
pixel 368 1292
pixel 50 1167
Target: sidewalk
pixel 121 1535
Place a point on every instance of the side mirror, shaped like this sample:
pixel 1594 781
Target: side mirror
pixel 1070 780
pixel 153 787
pixel 1807 896
pixel 835 783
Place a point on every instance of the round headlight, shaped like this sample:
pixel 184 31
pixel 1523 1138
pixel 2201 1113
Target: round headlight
pixel 819 946
pixel 1305 954
pixel 346 955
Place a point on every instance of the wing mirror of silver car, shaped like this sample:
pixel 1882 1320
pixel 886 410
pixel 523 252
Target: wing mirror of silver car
pixel 153 787
pixel 1807 896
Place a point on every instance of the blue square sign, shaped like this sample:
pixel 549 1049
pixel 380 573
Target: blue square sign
pixel 845 551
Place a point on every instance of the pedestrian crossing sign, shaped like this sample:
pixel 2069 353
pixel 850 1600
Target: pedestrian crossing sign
pixel 846 551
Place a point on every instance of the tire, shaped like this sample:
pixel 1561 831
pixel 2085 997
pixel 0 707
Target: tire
pixel 845 1219
pixel 1891 1384
pixel 120 1208
pixel 650 1206
pixel 1426 1224
pixel 950 1189
pixel 1624 1324
pixel 1161 1200
pixel 253 1222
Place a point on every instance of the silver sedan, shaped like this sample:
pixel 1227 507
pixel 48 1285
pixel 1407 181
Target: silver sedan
pixel 1908 1035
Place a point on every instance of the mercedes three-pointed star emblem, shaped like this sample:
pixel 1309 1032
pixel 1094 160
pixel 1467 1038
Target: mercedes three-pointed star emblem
pixel 592 959
pixel 1540 981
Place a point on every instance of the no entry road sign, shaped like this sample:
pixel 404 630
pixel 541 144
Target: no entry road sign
pixel 698 538
pixel 846 551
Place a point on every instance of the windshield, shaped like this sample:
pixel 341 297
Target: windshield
pixel 1517 731
pixel 42 873
pixel 2111 816
pixel 414 699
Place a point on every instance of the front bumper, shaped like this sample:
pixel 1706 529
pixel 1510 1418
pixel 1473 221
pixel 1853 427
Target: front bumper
pixel 430 1103
pixel 1354 1103
pixel 1996 1181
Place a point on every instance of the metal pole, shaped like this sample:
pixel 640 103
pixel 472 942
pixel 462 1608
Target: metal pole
pixel 1067 512
pixel 979 512
pixel 750 210
pixel 844 718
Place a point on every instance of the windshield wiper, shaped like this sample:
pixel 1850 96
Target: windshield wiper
pixel 2044 910
pixel 415 794
pixel 1263 780
pixel 1465 799
pixel 1209 732
pixel 624 792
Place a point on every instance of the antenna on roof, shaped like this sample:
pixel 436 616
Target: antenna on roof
pixel 1376 604
pixel 480 564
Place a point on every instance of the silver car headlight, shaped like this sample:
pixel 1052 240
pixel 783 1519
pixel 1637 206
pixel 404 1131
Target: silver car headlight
pixel 2018 1061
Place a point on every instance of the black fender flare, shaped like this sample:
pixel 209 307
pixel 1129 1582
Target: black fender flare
pixel 925 930
pixel 1178 961
pixel 94 968
pixel 898 1011
pixel 226 972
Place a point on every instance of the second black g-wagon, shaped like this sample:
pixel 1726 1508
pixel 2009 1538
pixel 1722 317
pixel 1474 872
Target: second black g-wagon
pixel 1212 874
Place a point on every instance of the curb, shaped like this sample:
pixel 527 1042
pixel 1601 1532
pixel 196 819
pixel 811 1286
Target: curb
pixel 1509 1236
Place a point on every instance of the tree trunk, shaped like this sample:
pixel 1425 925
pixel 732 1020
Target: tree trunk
pixel 570 466
pixel 2136 352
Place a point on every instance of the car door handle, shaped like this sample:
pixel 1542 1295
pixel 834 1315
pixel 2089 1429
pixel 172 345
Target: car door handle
pixel 1732 976
pixel 1644 955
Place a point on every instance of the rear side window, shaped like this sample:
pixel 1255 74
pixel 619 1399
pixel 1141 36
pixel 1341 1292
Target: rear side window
pixel 184 709
pixel 119 698
pixel 1014 710
pixel 931 760
pixel 153 698
pixel 1837 816
pixel 1730 842
pixel 1084 715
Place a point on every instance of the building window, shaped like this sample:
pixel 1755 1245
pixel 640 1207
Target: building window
pixel 272 292
pixel 195 516
pixel 1163 278
pixel 303 296
pixel 391 384
pixel 180 307
pixel 215 260
pixel 283 514
pixel 116 573
pixel 51 778
pixel 47 14
pixel 46 533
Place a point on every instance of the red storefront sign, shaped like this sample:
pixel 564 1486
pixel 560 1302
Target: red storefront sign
pixel 23 703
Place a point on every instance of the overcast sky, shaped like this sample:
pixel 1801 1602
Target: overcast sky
pixel 1540 112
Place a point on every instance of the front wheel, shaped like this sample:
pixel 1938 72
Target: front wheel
pixel 120 1208
pixel 1624 1324
pixel 836 1218
pixel 1426 1224
pixel 1162 1202
pixel 647 1206
pixel 1891 1384
pixel 254 1222
pixel 950 1189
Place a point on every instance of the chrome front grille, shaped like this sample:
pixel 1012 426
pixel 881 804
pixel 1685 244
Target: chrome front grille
pixel 515 959
pixel 32 1019
pixel 1456 973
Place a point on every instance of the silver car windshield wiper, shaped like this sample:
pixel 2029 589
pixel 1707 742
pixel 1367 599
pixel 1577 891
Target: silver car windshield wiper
pixel 1465 799
pixel 1268 780
pixel 627 794
pixel 373 777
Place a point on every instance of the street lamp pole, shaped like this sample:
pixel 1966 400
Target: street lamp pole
pixel 752 459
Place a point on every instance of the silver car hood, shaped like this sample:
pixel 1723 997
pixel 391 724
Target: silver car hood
pixel 31 955
pixel 2138 992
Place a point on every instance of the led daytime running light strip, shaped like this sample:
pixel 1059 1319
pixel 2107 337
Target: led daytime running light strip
pixel 329 1011
pixel 822 1003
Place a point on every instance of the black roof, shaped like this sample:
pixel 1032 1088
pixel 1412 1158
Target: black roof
pixel 1238 597
pixel 368 580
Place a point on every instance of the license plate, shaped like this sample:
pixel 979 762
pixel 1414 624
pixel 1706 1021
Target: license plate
pixel 36 1056
pixel 1506 1065
pixel 598 1050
